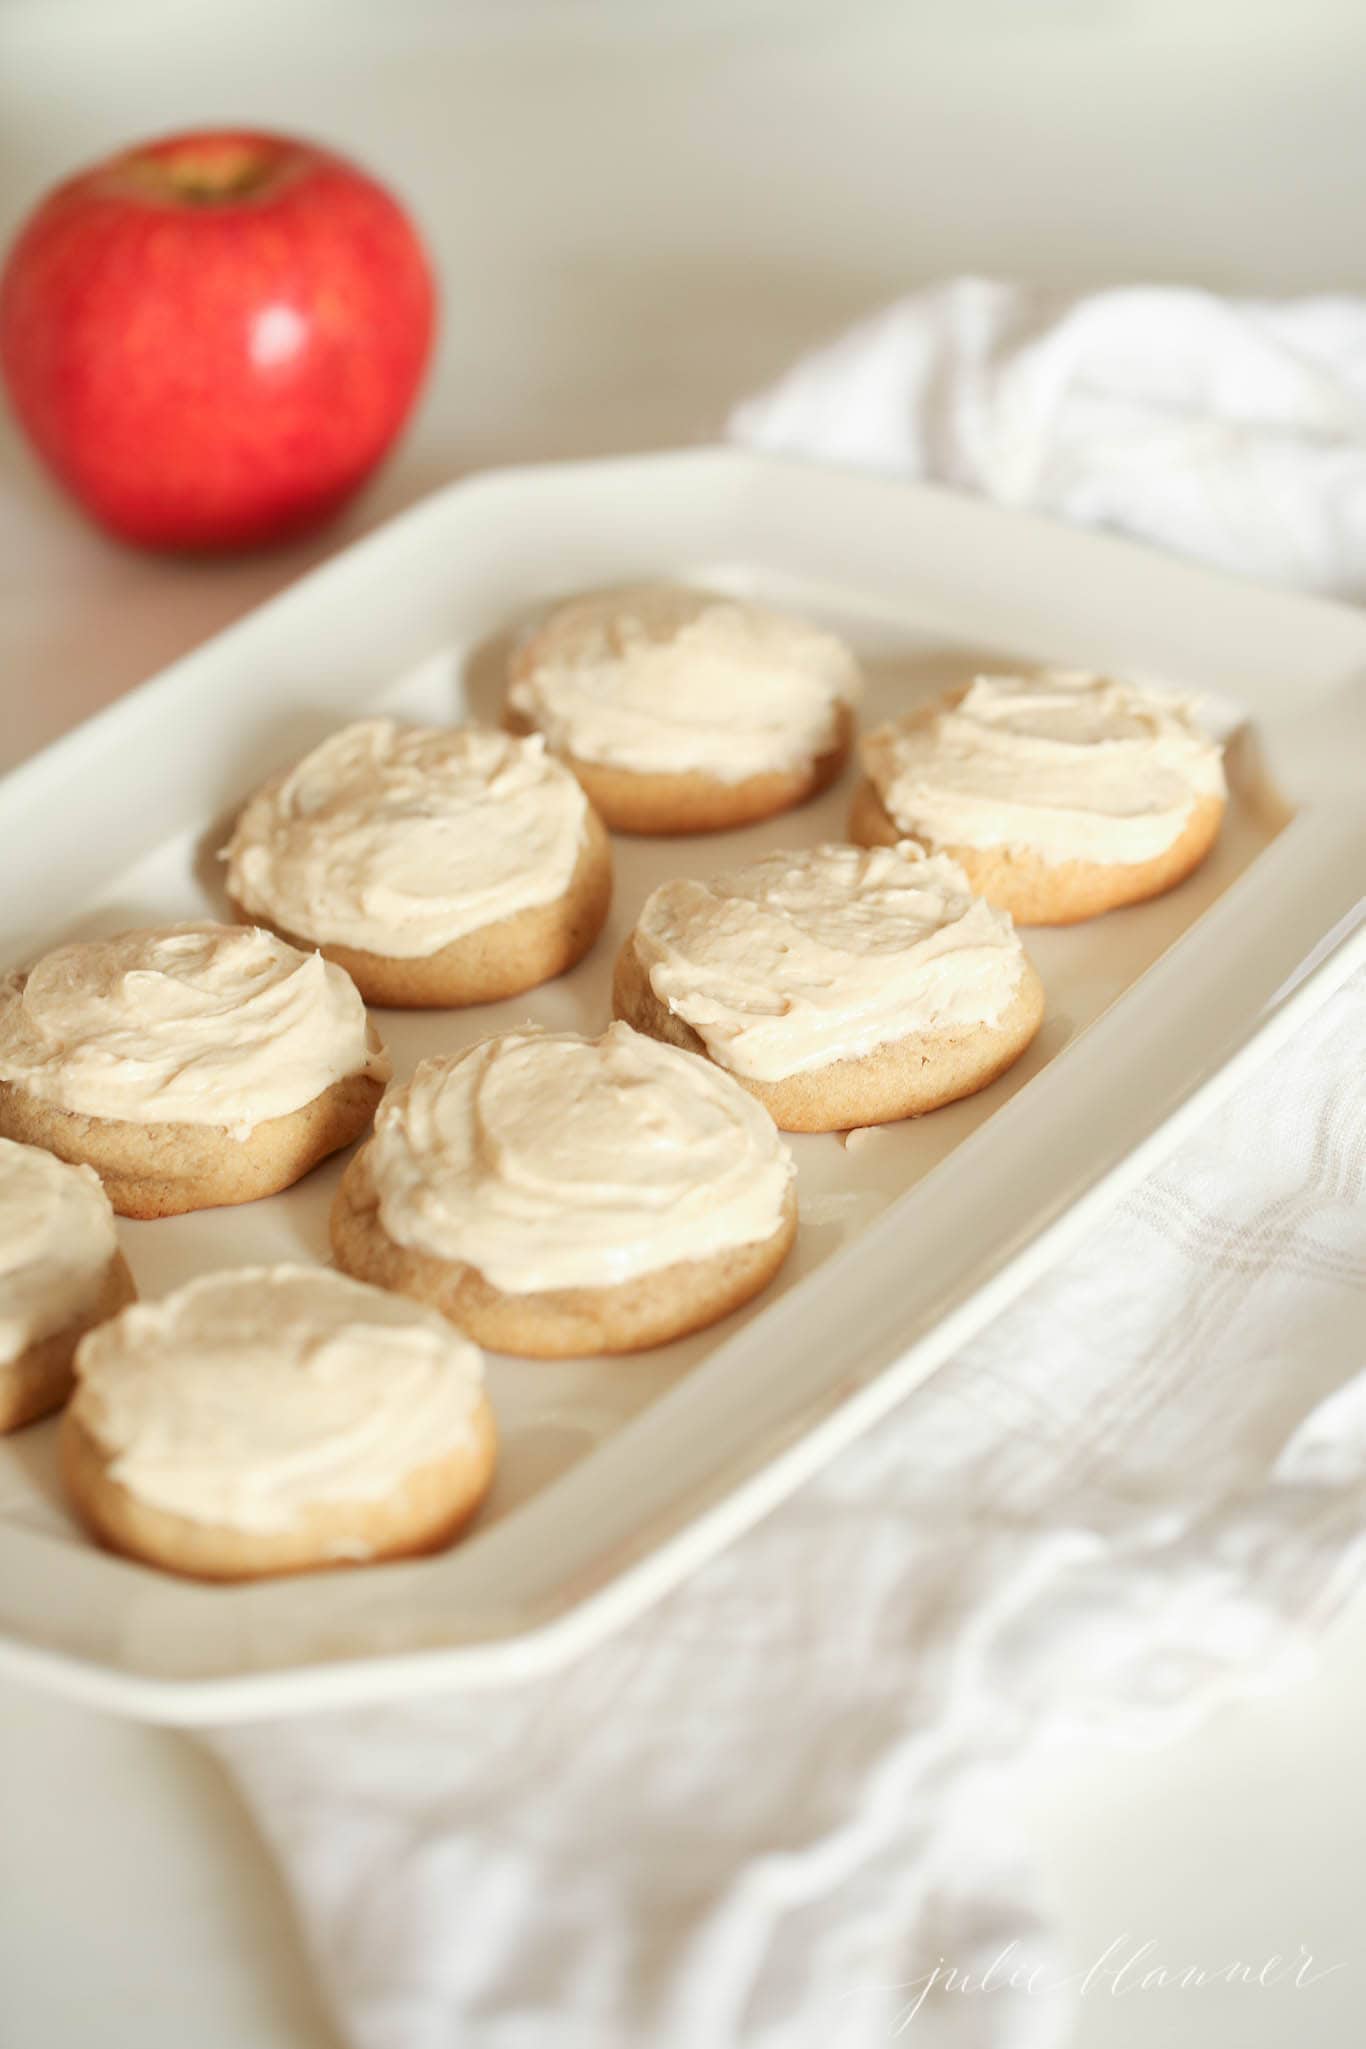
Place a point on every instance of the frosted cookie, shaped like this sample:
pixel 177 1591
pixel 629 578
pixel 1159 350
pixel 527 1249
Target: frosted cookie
pixel 680 711
pixel 557 1195
pixel 1060 795
pixel 840 985
pixel 60 1272
pixel 189 1066
pixel 439 867
pixel 276 1419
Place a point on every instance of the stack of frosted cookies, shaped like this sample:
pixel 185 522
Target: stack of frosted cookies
pixel 551 1194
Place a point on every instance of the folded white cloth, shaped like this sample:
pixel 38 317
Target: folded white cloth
pixel 1232 430
pixel 765 1811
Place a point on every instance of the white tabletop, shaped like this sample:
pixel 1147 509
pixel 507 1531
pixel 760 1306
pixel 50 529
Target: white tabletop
pixel 640 211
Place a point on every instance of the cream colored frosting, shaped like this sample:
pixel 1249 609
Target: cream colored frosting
pixel 1070 766
pixel 251 1395
pixel 57 1240
pixel 401 839
pixel 802 958
pixel 546 1160
pixel 187 1024
pixel 668 680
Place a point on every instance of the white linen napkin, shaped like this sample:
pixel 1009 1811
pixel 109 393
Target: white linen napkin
pixel 1232 430
pixel 765 1811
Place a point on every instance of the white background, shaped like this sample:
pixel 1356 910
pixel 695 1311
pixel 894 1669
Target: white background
pixel 641 211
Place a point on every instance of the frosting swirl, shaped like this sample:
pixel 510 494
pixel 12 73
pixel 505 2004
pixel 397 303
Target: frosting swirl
pixel 401 839
pixel 57 1239
pixel 184 1024
pixel 546 1160
pixel 248 1396
pixel 1069 765
pixel 803 958
pixel 664 680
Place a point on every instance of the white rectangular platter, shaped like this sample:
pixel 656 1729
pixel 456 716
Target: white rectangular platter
pixel 619 1476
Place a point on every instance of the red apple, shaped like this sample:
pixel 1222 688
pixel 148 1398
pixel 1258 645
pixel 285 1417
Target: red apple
pixel 214 338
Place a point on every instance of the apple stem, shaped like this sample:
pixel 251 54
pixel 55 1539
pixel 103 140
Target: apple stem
pixel 205 174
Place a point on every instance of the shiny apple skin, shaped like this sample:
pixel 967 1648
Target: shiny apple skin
pixel 220 373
